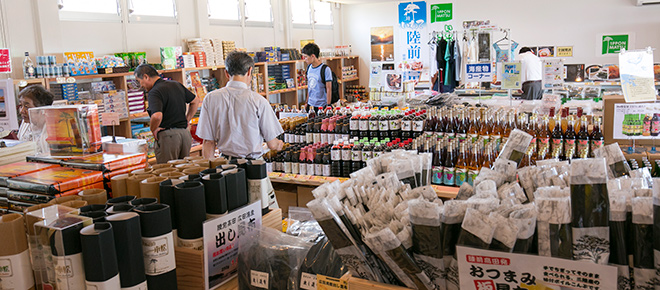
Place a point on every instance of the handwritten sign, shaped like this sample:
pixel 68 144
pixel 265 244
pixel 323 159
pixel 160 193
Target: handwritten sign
pixel 109 119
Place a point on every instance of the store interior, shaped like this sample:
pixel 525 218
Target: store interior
pixel 450 158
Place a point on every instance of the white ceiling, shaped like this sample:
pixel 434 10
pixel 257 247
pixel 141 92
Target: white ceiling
pixel 363 1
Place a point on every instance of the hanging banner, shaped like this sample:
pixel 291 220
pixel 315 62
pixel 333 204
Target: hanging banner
pixel 442 12
pixel 564 51
pixel 412 21
pixel 5 60
pixel 482 269
pixel 553 73
pixel 221 237
pixel 636 72
pixel 480 72
pixel 382 43
pixel 511 75
pixel 614 43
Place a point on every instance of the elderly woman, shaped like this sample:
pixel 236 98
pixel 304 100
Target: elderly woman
pixel 31 97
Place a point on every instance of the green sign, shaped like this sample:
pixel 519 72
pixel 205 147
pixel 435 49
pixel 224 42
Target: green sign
pixel 441 12
pixel 614 43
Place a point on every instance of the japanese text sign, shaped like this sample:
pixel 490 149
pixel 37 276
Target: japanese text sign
pixel 329 283
pixel 482 269
pixel 441 12
pixel 221 237
pixel 480 72
pixel 5 60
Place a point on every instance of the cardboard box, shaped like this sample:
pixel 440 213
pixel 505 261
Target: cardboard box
pixel 608 122
pixel 305 195
pixel 287 197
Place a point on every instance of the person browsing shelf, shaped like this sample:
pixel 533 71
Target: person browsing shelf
pixel 236 120
pixel 319 94
pixel 167 109
pixel 531 74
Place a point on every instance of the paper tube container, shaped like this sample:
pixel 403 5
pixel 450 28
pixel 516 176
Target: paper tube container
pixel 150 187
pixel 215 162
pixel 215 193
pixel 67 255
pixel 122 199
pixel 210 171
pixel 224 167
pixel 193 170
pixel 141 171
pixel 163 170
pixel 63 199
pixel 172 175
pixel 183 166
pixel 96 216
pixel 236 188
pixel 128 244
pixel 93 207
pixel 117 208
pixel 161 166
pixel 203 163
pixel 94 196
pixel 143 201
pixel 133 184
pixel 176 162
pixel 259 187
pixel 75 203
pixel 190 209
pixel 191 159
pixel 118 185
pixel 99 256
pixel 14 253
pixel 167 197
pixel 160 266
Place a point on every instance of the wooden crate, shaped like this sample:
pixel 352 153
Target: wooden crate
pixel 190 263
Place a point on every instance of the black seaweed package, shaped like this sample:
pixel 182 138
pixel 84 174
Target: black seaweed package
pixel 425 218
pixel 590 211
pixel 616 161
pixel 269 259
pixel 618 255
pixel 505 234
pixel 525 219
pixel 476 230
pixel 644 272
pixel 553 224
pixel 452 217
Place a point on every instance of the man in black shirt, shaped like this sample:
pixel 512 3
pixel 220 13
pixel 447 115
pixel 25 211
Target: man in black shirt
pixel 167 108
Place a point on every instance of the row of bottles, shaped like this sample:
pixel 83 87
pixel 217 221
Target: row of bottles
pixel 641 125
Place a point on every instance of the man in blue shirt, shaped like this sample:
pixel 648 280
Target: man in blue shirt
pixel 319 94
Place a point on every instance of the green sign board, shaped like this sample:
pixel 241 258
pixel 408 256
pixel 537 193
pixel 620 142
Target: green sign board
pixel 614 43
pixel 441 12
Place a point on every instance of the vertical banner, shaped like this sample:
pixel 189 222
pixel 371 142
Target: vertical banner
pixel 637 79
pixel 412 21
pixel 5 60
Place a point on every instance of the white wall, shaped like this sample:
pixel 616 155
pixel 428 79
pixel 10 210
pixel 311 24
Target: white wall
pixel 34 26
pixel 579 23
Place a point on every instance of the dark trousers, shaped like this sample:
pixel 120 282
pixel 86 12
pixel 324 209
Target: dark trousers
pixel 532 90
pixel 173 144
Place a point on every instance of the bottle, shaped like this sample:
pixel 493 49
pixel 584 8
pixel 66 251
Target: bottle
pixel 596 139
pixel 312 113
pixel 529 126
pixel 417 125
pixel 378 149
pixel 437 167
pixel 582 140
pixel 287 161
pixel 551 119
pixel 429 126
pixel 354 125
pixel 383 126
pixel 461 166
pixel 318 162
pixel 570 146
pixel 510 125
pixel 395 124
pixel 326 162
pixel 29 71
pixel 473 128
pixel 373 125
pixel 450 126
pixel 474 164
pixel 346 157
pixel 324 130
pixel 496 128
pixel 302 162
pixel 557 141
pixel 406 126
pixel 462 128
pixel 295 161
pixel 364 126
pixel 345 131
pixel 448 175
pixel 564 119
pixel 310 161
pixel 367 153
pixel 335 156
pixel 317 129
pixel 485 130
pixel 646 130
pixel 356 157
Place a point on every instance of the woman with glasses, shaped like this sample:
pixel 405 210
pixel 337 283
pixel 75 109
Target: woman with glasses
pixel 31 97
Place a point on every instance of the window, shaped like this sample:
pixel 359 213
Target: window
pixel 152 10
pixel 258 11
pixel 225 10
pixel 85 10
pixel 322 13
pixel 301 12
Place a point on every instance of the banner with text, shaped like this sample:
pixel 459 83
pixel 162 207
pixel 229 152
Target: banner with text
pixel 480 72
pixel 413 25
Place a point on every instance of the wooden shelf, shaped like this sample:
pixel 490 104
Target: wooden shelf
pixel 348 80
pixel 302 87
pixel 139 115
pixel 164 71
pixel 278 62
pixel 203 68
pixel 282 91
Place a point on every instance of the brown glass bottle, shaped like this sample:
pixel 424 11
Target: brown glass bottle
pixel 462 166
pixel 484 129
pixel 596 139
pixel 582 140
pixel 557 142
pixel 570 146
pixel 473 128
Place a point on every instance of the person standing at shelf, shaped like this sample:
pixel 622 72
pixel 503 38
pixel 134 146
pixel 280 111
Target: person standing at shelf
pixel 167 109
pixel 236 120
pixel 31 97
pixel 531 74
pixel 319 94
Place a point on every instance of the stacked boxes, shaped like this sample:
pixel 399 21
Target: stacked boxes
pixel 135 102
pixel 227 47
pixel 169 56
pixel 115 102
pixel 80 63
pixel 65 91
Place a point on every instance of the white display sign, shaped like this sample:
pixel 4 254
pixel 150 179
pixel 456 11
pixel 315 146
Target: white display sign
pixel 483 269
pixel 636 121
pixel 480 72
pixel 221 241
pixel 553 73
pixel 637 78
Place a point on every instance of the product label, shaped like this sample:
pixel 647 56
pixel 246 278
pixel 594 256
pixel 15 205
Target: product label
pixel 69 272
pixel 406 125
pixel 383 125
pixel 569 146
pixel 158 254
pixel 395 124
pixel 366 155
pixel 595 144
pixel 373 125
pixel 277 166
pixel 141 286
pixel 474 137
pixel 287 138
pixel 295 167
pixel 557 146
pixel 287 167
pixel 193 244
pixel 335 154
pixel 303 169
pixel 448 177
pixel 436 174
pixel 344 136
pixel 418 126
pixel 317 137
pixel 472 175
pixel 259 189
pixel 16 272
pixel 461 137
pixel 583 148
pixel 309 137
pixel 324 138
pixel 655 127
pixel 110 284
pixel 308 281
pixel 354 125
pixel 310 169
pixel 356 156
pixel 269 167
pixel 326 169
pixel 364 125
pixel 461 176
pixel 259 279
pixel 318 169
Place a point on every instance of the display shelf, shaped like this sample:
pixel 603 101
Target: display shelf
pixel 282 91
pixel 217 67
pixel 302 87
pixel 348 80
pixel 139 115
pixel 278 62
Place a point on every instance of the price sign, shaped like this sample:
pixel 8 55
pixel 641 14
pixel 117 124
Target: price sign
pixel 109 119
pixel 5 60
pixel 480 72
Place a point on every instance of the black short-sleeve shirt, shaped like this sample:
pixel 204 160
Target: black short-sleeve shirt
pixel 170 98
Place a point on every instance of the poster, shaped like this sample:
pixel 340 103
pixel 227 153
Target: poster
pixel 574 73
pixel 614 43
pixel 636 70
pixel 553 73
pixel 221 237
pixel 511 75
pixel 441 12
pixel 484 47
pixel 546 51
pixel 480 72
pixel 412 15
pixel 412 21
pixel 636 121
pixel 382 43
pixel 5 60
pixel 392 81
pixel 564 51
pixel 482 269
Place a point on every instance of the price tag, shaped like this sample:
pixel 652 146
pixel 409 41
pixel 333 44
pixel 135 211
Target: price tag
pixel 60 80
pixel 259 279
pixel 110 119
pixel 308 281
pixel 329 283
pixel 214 68
pixel 71 80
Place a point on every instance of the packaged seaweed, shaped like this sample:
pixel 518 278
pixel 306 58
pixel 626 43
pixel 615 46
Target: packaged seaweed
pixel 516 146
pixel 553 225
pixel 426 221
pixel 644 272
pixel 590 210
pixel 453 214
pixel 618 238
pixel 525 217
pixel 505 234
pixel 476 230
pixel 616 161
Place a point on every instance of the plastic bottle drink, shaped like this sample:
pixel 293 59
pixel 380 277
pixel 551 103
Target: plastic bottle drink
pixel 355 125
pixel 356 157
pixel 418 125
pixel 346 153
pixel 367 153
pixel 364 126
pixel 373 125
pixel 326 162
pixel 383 126
pixel 406 126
